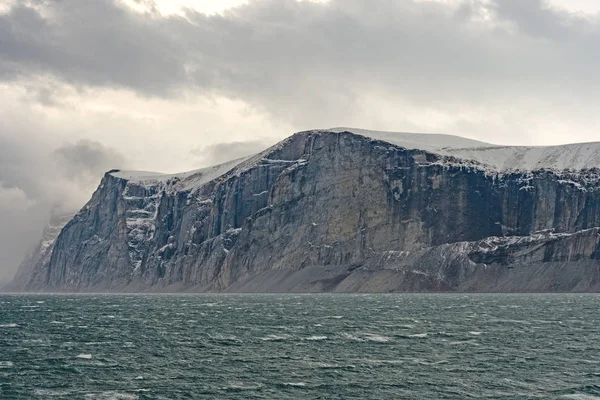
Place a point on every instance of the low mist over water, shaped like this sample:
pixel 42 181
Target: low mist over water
pixel 299 346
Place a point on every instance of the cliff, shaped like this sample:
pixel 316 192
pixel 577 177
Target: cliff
pixel 342 211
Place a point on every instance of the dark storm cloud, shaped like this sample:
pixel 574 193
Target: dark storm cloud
pixel 91 43
pixel 312 63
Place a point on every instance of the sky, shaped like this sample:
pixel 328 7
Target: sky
pixel 87 86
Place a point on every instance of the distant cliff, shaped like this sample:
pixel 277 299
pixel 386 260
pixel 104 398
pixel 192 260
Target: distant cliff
pixel 37 260
pixel 342 212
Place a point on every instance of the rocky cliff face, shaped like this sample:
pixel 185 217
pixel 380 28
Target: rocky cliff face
pixel 334 211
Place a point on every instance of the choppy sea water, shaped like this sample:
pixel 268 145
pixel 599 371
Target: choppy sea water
pixel 300 346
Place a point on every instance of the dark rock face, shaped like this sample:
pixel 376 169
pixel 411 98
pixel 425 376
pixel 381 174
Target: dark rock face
pixel 328 211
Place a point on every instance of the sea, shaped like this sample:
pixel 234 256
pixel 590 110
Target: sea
pixel 311 346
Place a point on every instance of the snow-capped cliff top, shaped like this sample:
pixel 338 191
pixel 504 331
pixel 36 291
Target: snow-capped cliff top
pixel 423 141
pixel 575 156
pixel 137 175
pixel 194 178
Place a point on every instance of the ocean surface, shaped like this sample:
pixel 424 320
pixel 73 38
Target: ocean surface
pixel 300 346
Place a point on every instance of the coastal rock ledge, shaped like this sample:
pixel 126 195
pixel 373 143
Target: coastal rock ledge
pixel 340 211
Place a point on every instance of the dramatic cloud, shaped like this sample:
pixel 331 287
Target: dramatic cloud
pixel 90 84
pixel 317 63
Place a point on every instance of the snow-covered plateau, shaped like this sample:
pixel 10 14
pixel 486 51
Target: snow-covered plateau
pixel 343 210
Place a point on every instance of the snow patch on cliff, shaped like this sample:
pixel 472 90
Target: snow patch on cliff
pixel 493 243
